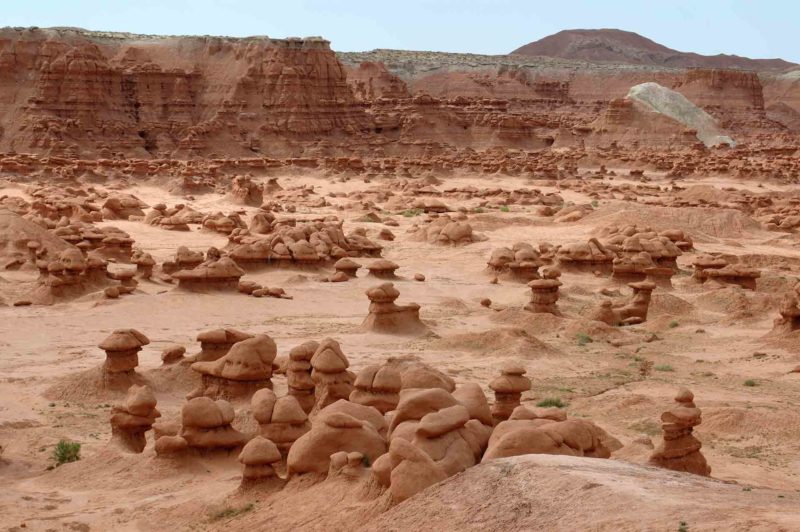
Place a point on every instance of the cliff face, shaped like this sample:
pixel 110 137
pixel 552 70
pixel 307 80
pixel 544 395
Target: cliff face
pixel 370 81
pixel 78 94
pixel 68 91
pixel 716 87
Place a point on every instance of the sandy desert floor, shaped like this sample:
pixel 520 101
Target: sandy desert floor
pixel 711 339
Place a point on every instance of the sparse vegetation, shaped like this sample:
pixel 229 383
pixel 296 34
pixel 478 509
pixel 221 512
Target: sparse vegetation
pixel 227 513
pixel 673 324
pixel 595 203
pixel 479 210
pixel 66 452
pixel 551 402
pixel 583 339
pixel 504 208
pixel 683 527
pixel 750 382
pixel 645 368
pixel 410 213
pixel 663 367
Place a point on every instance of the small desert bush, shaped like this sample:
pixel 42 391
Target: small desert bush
pixel 645 368
pixel 583 339
pixel 66 452
pixel 232 512
pixel 750 382
pixel 504 208
pixel 673 324
pixel 551 401
pixel 663 367
pixel 409 213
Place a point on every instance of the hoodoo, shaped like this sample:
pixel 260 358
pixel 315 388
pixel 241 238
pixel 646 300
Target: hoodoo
pixel 680 450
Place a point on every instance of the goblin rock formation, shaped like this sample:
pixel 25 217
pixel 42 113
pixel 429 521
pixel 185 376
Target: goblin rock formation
pixel 629 312
pixel 213 274
pixel 378 387
pixel 332 380
pixel 519 263
pixel 544 293
pixel 707 267
pixel 216 343
pixel 386 317
pixel 280 419
pixel 206 426
pixel 299 381
pixel 133 418
pixel 331 433
pixel 245 368
pixel 122 357
pixel 259 458
pixel 508 389
pixel 680 450
pixel 545 432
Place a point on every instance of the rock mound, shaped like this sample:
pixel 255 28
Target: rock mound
pixel 543 492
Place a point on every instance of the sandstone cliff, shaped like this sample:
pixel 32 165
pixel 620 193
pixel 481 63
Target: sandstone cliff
pixel 68 91
pixel 101 96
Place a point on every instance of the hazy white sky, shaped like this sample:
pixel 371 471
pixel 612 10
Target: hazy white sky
pixel 755 28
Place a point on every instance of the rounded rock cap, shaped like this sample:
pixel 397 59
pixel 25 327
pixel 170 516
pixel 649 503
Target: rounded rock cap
pixel 383 292
pixel 304 351
pixel 288 410
pixel 124 340
pixel 510 384
pixel 346 264
pixel 684 395
pixel 513 368
pixel 382 265
pixel 259 451
pixel 223 336
pixel 329 357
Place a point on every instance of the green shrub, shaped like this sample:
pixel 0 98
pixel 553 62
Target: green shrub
pixel 551 401
pixel 683 527
pixel 663 367
pixel 673 324
pixel 66 451
pixel 232 512
pixel 595 203
pixel 504 208
pixel 750 382
pixel 408 213
pixel 583 339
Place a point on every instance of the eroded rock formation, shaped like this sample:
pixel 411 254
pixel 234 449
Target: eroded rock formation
pixel 680 450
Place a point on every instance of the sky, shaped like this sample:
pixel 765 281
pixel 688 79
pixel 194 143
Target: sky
pixel 754 28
